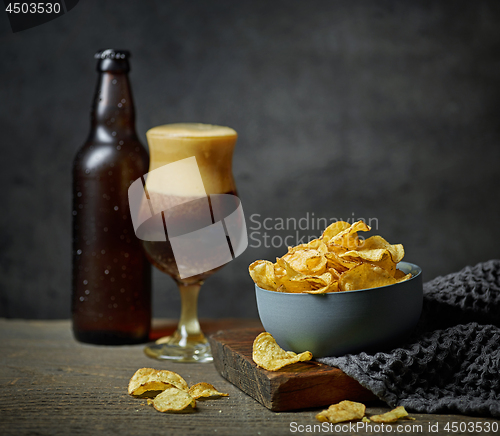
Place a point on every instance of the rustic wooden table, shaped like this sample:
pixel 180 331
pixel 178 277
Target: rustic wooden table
pixel 52 385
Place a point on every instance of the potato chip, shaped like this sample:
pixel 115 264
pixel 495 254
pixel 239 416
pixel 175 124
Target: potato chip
pixel 335 274
pixel 150 389
pixel 377 256
pixel 295 282
pixel 348 238
pixel 392 416
pixel 315 244
pixel 307 261
pixel 373 255
pixel 290 280
pixel 269 355
pixel 343 411
pixel 262 273
pixel 388 264
pixel 334 260
pixel 333 230
pixel 173 399
pixel 400 276
pixel 149 379
pixel 322 284
pixel 205 390
pixel 377 242
pixel 365 276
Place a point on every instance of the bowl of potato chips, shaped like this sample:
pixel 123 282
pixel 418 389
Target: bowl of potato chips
pixel 339 293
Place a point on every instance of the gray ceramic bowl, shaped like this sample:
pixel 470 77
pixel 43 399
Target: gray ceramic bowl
pixel 343 322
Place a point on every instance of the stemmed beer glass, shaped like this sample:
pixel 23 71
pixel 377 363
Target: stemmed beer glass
pixel 190 170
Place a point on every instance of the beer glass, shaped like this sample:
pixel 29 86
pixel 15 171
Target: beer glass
pixel 190 171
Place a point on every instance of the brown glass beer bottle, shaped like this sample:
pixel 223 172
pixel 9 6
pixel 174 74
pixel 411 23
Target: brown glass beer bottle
pixel 111 300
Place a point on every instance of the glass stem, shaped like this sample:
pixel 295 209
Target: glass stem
pixel 188 329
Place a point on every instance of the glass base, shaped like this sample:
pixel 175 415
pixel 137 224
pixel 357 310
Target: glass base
pixel 168 348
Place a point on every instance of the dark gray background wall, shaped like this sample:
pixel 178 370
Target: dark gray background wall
pixel 386 110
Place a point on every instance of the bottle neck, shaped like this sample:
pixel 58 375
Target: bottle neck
pixel 112 115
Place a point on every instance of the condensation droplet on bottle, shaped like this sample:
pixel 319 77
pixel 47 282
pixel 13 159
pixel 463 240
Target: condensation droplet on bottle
pixel 85 282
pixel 120 105
pixel 126 254
pixel 124 267
pixel 123 100
pixel 114 81
pixel 87 292
pixel 103 251
pixel 78 251
pixel 118 147
pixel 75 212
pixel 122 290
pixel 113 133
pixel 87 171
pixel 115 208
pixel 80 206
pixel 79 194
pixel 106 271
pixel 82 298
pixel 105 229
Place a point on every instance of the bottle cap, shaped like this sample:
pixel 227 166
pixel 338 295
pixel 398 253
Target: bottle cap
pixel 111 53
pixel 112 60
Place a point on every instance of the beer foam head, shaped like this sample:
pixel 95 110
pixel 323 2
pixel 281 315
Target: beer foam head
pixel 190 130
pixel 211 147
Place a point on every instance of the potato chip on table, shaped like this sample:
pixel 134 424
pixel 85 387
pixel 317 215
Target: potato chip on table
pixel 391 416
pixel 205 390
pixel 343 411
pixel 173 399
pixel 149 379
pixel 269 355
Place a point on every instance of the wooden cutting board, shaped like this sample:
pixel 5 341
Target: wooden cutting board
pixel 298 386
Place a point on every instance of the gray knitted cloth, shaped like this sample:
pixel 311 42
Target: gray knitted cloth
pixel 451 363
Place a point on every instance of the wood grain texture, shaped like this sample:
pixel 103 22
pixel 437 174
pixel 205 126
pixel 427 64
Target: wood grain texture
pixel 52 385
pixel 298 386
